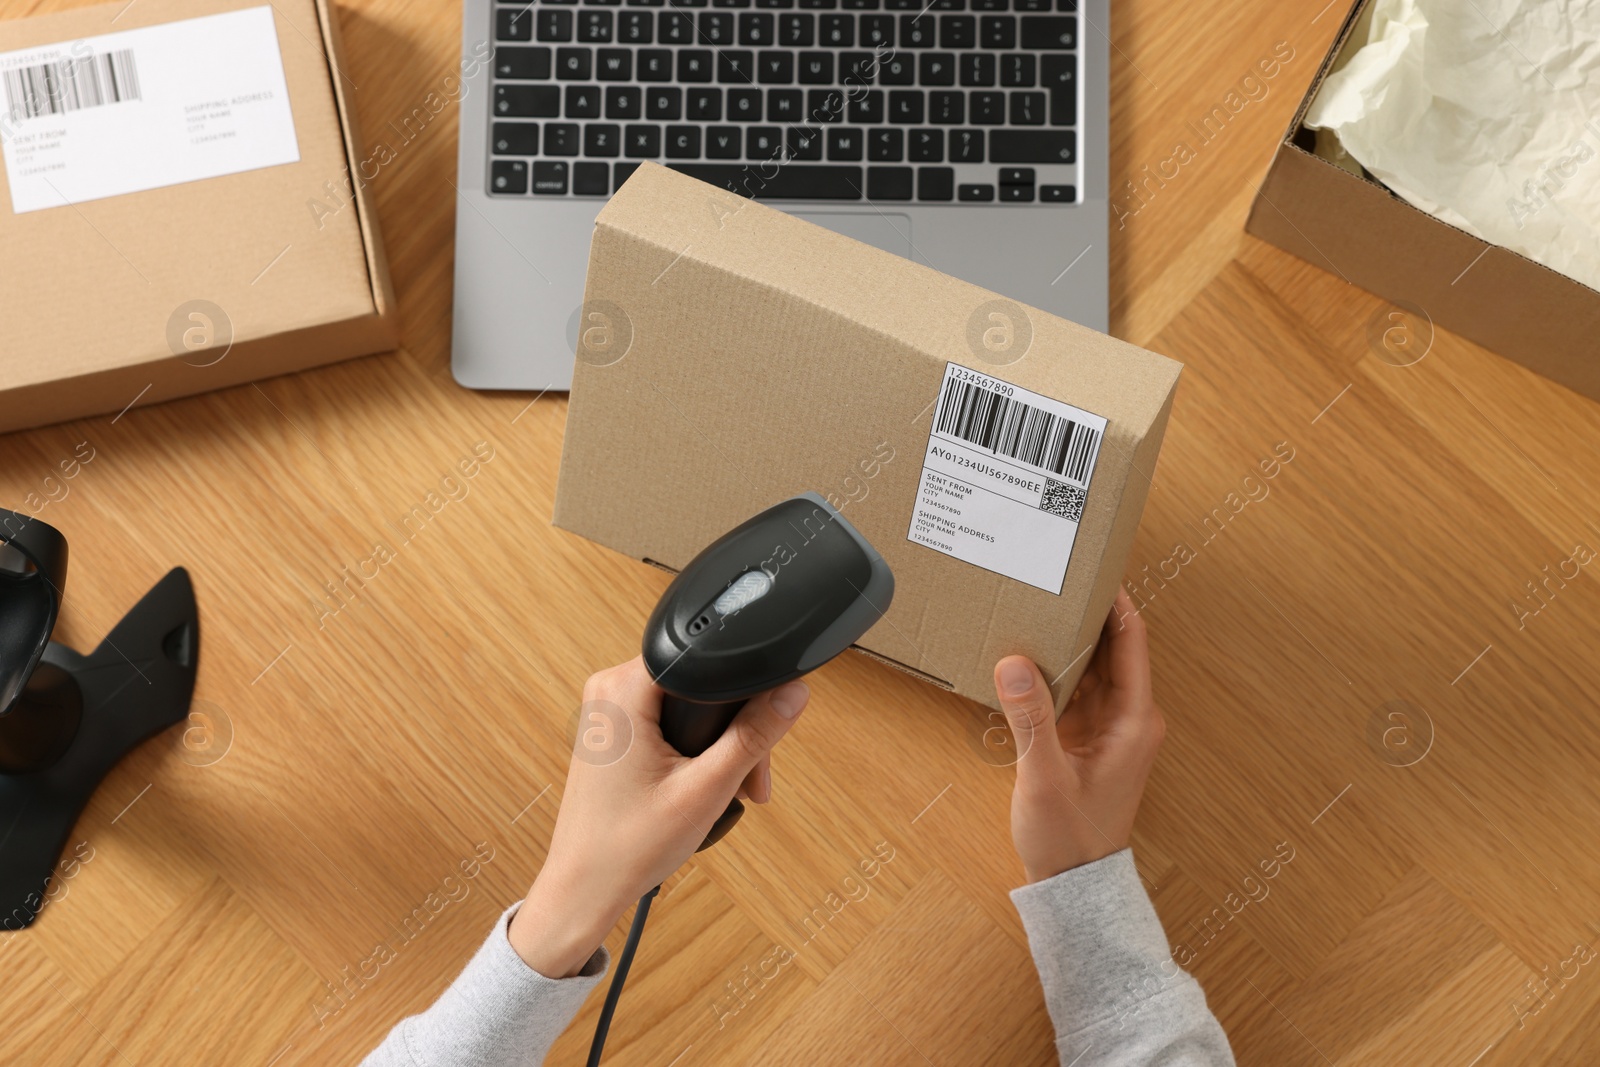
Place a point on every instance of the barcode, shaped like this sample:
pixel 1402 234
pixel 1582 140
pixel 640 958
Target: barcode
pixel 1021 431
pixel 70 84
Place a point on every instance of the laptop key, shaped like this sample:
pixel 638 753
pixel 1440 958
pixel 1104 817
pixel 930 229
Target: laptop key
pixel 1057 194
pixel 844 144
pixel 655 65
pixel 988 109
pixel 957 31
pixel 927 146
pixel 889 183
pixel 1017 194
pixel 857 68
pixel 877 30
pixel 614 64
pixel 624 102
pixel 602 139
pixel 755 29
pixel 1059 76
pixel 937 68
pixel 1050 32
pixel 554 24
pixel 594 26
pixel 797 31
pixel 550 178
pixel 683 142
pixel 916 31
pixel 513 62
pixel 573 64
pixel 977 69
pixel 744 105
pixel 836 31
pixel 976 194
pixel 816 68
pixel 516 138
pixel 966 146
pixel 1016 69
pixel 508 176
pixel 997 31
pixel 804 142
pixel 866 107
pixel 1032 146
pixel 636 27
pixel 775 68
pixel 1027 109
pixel 643 142
pixel 694 65
pixel 905 107
pixel 736 65
pixel 791 182
pixel 663 103
pixel 561 139
pixel 513 25
pixel 936 183
pixel 591 179
pixel 676 27
pixel 763 142
pixel 723 142
pixel 583 102
pixel 897 70
pixel 704 105
pixel 785 105
pixel 527 101
pixel 825 105
pixel 715 27
pixel 946 107
pixel 886 146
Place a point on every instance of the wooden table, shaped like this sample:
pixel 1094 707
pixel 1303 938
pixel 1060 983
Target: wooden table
pixel 1368 607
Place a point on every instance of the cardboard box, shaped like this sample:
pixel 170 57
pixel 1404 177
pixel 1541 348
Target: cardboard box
pixel 1355 227
pixel 731 355
pixel 137 267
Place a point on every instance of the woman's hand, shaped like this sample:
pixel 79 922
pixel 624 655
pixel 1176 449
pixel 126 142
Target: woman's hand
pixel 629 819
pixel 1079 779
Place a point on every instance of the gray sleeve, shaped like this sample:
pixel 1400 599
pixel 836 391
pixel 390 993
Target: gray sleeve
pixel 1115 995
pixel 499 1012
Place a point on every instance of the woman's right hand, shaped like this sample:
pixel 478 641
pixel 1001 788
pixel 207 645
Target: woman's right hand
pixel 1079 779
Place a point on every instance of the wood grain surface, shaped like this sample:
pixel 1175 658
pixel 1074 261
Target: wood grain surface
pixel 1377 666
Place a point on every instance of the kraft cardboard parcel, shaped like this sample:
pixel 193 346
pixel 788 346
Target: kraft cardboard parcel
pixel 731 355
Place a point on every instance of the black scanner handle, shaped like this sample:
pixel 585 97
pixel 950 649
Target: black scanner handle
pixel 691 728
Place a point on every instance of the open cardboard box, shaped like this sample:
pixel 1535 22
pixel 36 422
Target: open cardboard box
pixel 141 296
pixel 731 356
pixel 1358 229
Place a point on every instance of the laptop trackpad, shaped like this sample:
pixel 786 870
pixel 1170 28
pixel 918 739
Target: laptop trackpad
pixel 892 233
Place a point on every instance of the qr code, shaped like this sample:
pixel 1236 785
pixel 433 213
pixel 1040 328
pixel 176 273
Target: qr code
pixel 1063 499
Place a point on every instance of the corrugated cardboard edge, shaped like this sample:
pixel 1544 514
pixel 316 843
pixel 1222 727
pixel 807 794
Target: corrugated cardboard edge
pixel 371 236
pixel 1370 237
pixel 105 391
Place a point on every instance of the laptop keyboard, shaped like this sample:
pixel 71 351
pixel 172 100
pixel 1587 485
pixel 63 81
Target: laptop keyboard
pixel 934 101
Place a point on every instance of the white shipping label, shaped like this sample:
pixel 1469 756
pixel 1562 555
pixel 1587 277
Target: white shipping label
pixel 141 109
pixel 1005 477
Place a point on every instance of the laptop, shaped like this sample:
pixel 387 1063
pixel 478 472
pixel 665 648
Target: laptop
pixel 968 135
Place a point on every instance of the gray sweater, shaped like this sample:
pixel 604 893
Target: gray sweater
pixel 1112 989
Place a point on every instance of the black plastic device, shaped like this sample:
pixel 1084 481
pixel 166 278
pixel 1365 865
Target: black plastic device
pixel 65 718
pixel 779 595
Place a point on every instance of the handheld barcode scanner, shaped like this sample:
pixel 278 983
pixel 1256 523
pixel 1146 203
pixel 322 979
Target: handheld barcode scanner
pixel 777 596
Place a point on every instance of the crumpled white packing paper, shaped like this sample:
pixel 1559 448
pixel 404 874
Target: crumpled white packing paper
pixel 1485 114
